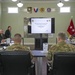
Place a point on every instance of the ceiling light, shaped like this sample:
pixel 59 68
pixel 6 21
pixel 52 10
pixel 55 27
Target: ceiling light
pixel 20 4
pixel 14 0
pixel 66 0
pixel 60 4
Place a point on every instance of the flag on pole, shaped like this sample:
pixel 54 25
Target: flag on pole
pixel 71 29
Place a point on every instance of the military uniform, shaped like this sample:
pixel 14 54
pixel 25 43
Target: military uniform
pixel 60 47
pixel 17 47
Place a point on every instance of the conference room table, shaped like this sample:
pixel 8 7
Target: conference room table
pixel 40 62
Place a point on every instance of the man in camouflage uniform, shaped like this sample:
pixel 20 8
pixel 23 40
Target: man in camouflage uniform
pixel 61 46
pixel 17 44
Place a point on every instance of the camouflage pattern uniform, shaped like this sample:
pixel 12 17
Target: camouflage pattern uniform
pixel 60 47
pixel 17 47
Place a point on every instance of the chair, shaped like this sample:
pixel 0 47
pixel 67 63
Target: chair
pixel 64 63
pixel 15 63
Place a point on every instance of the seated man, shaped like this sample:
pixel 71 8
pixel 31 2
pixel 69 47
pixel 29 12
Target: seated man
pixel 2 36
pixel 17 44
pixel 61 46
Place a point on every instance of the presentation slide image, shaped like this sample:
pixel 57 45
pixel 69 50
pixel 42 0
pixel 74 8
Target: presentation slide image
pixel 42 25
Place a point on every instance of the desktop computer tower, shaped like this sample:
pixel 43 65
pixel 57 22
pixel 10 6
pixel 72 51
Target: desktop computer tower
pixel 39 43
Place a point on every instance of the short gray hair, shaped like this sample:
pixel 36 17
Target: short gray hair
pixel 17 36
pixel 62 35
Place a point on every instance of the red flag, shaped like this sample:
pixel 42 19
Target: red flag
pixel 71 29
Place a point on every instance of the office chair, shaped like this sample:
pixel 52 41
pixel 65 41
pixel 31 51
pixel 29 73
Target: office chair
pixel 15 63
pixel 64 63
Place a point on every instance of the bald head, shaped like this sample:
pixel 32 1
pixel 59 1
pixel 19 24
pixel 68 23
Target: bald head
pixel 17 38
pixel 61 36
pixel 1 31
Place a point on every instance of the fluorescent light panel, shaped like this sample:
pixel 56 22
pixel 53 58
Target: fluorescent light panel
pixel 65 10
pixel 66 0
pixel 14 0
pixel 12 9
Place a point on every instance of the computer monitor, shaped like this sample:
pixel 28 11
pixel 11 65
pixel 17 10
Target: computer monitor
pixel 15 62
pixel 64 63
pixel 41 25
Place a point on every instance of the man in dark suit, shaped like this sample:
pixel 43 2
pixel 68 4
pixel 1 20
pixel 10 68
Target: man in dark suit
pixel 8 32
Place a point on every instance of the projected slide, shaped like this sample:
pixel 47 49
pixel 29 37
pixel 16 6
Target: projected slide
pixel 41 25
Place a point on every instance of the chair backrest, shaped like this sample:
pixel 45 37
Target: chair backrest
pixel 64 63
pixel 15 62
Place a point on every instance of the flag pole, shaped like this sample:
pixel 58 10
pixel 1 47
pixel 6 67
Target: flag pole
pixel 71 17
